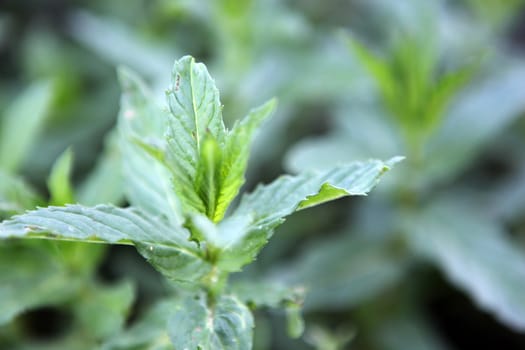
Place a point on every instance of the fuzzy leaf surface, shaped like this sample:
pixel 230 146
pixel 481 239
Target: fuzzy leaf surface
pixel 227 325
pixel 165 246
pixel 195 108
pixel 252 223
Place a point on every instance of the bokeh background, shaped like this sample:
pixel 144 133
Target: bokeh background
pixel 433 259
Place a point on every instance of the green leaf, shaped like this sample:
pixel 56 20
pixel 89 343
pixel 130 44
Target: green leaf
pixel 407 329
pixel 376 66
pixel 104 183
pixel 194 104
pixel 226 324
pixel 444 91
pixel 16 195
pixel 271 203
pixel 22 123
pixel 242 235
pixel 236 153
pixel 142 124
pixel 148 333
pixel 208 176
pixel 263 293
pixel 102 310
pixel 59 181
pixel 345 272
pixel 274 295
pixel 475 254
pixel 37 278
pixel 166 247
pixel 483 111
pixel 207 161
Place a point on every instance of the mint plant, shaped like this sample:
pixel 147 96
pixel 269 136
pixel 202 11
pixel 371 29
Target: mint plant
pixel 446 120
pixel 182 169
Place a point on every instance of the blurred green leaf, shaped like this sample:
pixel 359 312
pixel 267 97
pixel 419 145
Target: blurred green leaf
pixel 483 111
pixel 147 181
pixel 120 44
pixel 360 132
pixel 265 293
pixel 104 183
pixel 258 294
pixel 148 333
pixel 38 278
pixel 475 254
pixel 16 195
pixel 21 124
pixel 325 339
pixel 59 181
pixel 346 271
pixel 103 309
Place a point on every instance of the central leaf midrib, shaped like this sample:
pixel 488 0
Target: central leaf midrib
pixel 193 102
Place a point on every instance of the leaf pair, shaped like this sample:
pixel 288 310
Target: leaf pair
pixel 207 161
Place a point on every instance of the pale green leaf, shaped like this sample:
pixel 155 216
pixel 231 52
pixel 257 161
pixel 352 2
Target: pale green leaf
pixel 226 324
pixel 483 111
pixel 37 278
pixel 345 271
pixel 59 181
pixel 102 310
pixel 379 68
pixel 264 293
pixel 243 234
pixel 16 195
pixel 147 181
pixel 270 203
pixel 22 123
pixel 475 254
pixel 443 92
pixel 103 184
pixel 195 107
pixel 361 131
pixel 258 294
pixel 166 247
pixel 148 333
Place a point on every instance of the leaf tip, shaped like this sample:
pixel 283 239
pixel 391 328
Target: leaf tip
pixel 389 164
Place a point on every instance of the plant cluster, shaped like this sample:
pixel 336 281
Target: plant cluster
pixel 145 229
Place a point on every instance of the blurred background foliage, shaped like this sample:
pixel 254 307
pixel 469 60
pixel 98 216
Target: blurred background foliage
pixel 434 259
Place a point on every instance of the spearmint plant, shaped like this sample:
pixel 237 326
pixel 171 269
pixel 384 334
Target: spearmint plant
pixel 182 168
